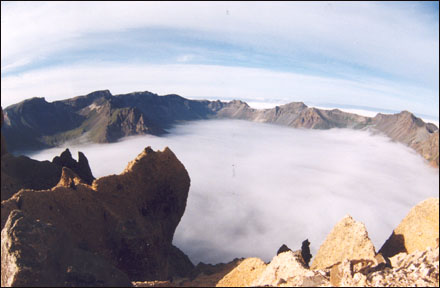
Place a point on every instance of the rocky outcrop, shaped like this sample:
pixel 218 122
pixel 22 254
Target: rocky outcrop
pixel 244 274
pixel 412 131
pixel 290 269
pixel 429 148
pixel 80 167
pixel 347 240
pixel 417 231
pixel 128 219
pixel 351 269
pixel 21 172
pixel 179 264
pixel 419 269
pixel 35 253
pixel 25 173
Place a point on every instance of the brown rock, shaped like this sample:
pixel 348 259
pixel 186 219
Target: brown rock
pixel 35 253
pixel 208 275
pixel 25 173
pixel 69 178
pixel 348 240
pixel 244 274
pixel 81 167
pixel 289 269
pixel 417 231
pixel 420 268
pixel 3 143
pixel 179 265
pixel 129 219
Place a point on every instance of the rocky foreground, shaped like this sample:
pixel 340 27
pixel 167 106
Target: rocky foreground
pixel 347 258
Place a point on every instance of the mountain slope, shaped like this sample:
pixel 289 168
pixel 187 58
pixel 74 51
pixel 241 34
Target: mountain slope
pixel 101 117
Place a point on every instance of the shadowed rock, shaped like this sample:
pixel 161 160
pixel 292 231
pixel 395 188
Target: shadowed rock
pixel 81 167
pixel 129 219
pixel 283 248
pixel 305 251
pixel 417 231
pixel 35 253
pixel 22 172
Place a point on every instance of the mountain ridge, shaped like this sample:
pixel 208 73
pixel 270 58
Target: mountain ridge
pixel 102 117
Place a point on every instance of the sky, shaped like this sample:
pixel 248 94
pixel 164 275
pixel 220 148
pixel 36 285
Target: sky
pixel 381 55
pixel 257 186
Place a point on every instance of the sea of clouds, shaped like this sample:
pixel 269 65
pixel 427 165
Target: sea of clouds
pixel 257 186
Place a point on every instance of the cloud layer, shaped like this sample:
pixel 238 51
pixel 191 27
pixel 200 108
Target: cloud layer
pixel 214 82
pixel 256 186
pixel 381 49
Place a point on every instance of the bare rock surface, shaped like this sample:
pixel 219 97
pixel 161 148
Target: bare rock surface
pixel 128 219
pixel 244 274
pixel 35 253
pixel 290 269
pixel 347 240
pixel 417 231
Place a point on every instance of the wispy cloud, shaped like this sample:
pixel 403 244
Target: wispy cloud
pixel 214 82
pixel 280 186
pixel 357 41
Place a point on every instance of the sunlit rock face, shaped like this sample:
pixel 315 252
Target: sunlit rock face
pixel 347 240
pixel 38 254
pixel 417 231
pixel 129 219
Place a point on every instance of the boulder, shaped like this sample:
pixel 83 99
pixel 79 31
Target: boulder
pixel 289 268
pixel 35 253
pixel 417 231
pixel 244 274
pixel 348 240
pixel 129 219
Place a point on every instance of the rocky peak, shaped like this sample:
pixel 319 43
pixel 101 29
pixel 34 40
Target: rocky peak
pixel 347 240
pixel 417 231
pixel 81 167
pixel 69 178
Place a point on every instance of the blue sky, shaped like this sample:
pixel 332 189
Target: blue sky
pixel 371 54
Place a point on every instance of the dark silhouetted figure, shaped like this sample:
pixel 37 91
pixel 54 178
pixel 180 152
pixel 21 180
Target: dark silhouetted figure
pixel 305 251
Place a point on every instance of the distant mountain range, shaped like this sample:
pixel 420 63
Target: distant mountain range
pixel 102 117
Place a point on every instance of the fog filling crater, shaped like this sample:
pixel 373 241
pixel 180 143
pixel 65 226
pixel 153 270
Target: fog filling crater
pixel 257 186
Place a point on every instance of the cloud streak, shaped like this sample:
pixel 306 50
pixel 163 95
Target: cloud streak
pixel 256 186
pixel 212 82
pixel 345 41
